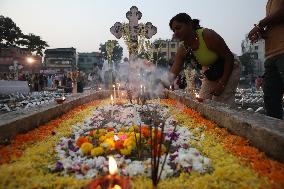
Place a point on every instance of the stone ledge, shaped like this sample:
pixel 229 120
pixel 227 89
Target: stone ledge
pixel 263 132
pixel 23 121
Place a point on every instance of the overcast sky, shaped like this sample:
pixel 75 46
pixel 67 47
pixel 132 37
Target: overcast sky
pixel 84 24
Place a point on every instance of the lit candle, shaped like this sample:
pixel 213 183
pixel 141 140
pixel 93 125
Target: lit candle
pixel 141 86
pixel 111 98
pixel 112 180
pixel 113 90
pixel 112 165
pixel 170 87
pixel 198 98
pixel 118 85
pixel 100 88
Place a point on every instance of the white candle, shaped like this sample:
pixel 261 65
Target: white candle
pixel 118 85
pixel 113 90
pixel 111 98
pixel 112 165
pixel 196 95
pixel 141 86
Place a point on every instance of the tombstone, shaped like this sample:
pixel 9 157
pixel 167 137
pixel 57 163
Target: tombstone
pixel 13 86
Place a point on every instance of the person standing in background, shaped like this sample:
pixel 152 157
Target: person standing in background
pixel 271 28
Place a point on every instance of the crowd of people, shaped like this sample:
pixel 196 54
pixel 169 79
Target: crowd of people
pixel 41 81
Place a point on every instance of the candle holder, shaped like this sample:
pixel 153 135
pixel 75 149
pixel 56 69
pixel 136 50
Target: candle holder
pixel 198 98
pixel 110 182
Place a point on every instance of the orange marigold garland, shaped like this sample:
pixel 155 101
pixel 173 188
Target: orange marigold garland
pixel 21 141
pixel 241 148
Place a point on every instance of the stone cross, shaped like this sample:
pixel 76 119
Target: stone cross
pixel 133 16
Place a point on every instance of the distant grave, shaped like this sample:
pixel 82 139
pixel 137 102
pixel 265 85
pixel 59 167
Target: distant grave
pixel 12 86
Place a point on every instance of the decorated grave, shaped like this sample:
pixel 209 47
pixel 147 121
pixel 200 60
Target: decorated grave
pixel 94 141
pixel 161 143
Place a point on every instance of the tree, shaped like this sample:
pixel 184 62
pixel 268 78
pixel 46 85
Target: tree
pixel 117 52
pixel 12 36
pixel 33 43
pixel 9 32
pixel 247 62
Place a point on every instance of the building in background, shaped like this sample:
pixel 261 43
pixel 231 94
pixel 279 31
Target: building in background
pixel 88 62
pixel 166 49
pixel 12 58
pixel 60 60
pixel 257 54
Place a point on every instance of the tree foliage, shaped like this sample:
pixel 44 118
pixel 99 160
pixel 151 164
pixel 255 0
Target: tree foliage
pixel 247 62
pixel 116 54
pixel 11 36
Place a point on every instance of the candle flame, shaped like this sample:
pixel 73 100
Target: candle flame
pixel 112 165
pixel 117 187
pixel 196 95
pixel 100 88
pixel 111 98
pixel 63 98
pixel 170 87
pixel 113 86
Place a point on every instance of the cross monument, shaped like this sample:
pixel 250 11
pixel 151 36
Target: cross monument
pixel 133 15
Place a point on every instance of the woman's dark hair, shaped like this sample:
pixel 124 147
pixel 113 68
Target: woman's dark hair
pixel 186 19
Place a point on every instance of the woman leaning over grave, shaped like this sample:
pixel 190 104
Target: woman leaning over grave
pixel 218 64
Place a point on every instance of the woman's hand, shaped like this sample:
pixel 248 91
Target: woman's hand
pixel 255 34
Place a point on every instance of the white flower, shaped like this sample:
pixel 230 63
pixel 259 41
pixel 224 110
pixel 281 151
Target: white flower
pixel 135 168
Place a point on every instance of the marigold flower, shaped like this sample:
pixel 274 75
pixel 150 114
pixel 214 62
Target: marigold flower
pixel 81 140
pixel 97 151
pixel 86 147
pixel 126 151
pixel 119 145
pixel 145 131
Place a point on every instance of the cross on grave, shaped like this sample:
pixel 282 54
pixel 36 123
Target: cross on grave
pixel 133 16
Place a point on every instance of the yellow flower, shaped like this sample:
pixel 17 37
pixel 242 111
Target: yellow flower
pixel 129 143
pixel 86 147
pixel 102 138
pixel 97 151
pixel 125 151
pixel 102 131
pixel 110 142
pixel 131 129
pixel 110 134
